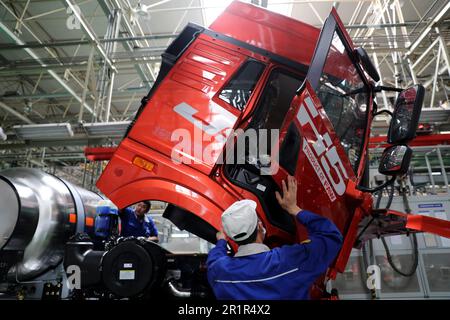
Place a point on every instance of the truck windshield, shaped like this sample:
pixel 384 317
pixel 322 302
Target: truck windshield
pixel 347 113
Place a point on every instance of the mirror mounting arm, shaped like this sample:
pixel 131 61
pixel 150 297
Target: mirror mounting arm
pixel 384 88
pixel 380 187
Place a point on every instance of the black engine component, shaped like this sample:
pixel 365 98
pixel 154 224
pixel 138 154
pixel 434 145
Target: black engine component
pixel 131 268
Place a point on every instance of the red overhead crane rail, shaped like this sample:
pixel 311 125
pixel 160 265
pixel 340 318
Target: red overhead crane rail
pixel 419 141
pixel 106 153
pixel 99 153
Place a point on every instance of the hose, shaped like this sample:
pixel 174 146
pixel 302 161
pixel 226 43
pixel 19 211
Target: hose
pixel 364 260
pixel 414 244
pixel 178 293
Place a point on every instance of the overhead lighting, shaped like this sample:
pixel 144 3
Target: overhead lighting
pixel 179 235
pixel 107 129
pixel 44 131
pixel 3 135
pixel 142 11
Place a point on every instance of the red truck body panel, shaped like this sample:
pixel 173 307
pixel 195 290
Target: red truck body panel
pixel 195 80
pixel 186 100
pixel 269 31
pixel 203 69
pixel 199 74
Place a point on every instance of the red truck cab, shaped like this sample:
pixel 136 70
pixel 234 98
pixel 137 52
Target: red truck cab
pixel 252 69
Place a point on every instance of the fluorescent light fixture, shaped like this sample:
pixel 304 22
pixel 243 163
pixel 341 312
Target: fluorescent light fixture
pixel 436 173
pixel 3 135
pixel 179 235
pixel 107 129
pixel 44 131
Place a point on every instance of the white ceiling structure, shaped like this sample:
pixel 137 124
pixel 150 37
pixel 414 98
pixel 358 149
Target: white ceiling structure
pixel 57 57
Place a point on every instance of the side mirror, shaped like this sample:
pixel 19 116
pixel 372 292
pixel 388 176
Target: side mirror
pixel 367 64
pixel 395 160
pixel 406 115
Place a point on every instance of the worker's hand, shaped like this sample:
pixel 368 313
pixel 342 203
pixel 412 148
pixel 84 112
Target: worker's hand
pixel 153 238
pixel 220 235
pixel 289 199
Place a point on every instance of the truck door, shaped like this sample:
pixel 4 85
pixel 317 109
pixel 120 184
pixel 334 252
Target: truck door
pixel 327 124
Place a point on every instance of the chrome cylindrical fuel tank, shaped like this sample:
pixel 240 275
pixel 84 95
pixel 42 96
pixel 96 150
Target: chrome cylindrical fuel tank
pixel 39 212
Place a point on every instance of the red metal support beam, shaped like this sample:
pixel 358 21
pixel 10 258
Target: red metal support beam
pixel 424 223
pixel 105 153
pixel 425 140
pixel 99 153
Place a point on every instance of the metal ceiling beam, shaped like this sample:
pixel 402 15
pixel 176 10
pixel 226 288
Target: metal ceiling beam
pixel 75 42
pixel 272 4
pixel 78 64
pixel 15 113
pixel 139 27
pixel 90 33
pixel 28 29
pixel 383 25
pixel 55 143
pixel 32 54
pixel 441 71
pixel 438 16
pixel 108 6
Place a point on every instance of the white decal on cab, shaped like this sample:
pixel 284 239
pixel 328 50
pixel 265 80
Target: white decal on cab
pixel 323 155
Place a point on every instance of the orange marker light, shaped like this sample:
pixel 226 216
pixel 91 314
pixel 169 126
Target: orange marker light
pixel 72 218
pixel 89 222
pixel 144 164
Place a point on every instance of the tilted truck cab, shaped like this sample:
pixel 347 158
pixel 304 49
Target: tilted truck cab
pixel 254 69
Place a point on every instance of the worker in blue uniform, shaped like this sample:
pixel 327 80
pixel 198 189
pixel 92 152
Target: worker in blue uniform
pixel 135 223
pixel 255 271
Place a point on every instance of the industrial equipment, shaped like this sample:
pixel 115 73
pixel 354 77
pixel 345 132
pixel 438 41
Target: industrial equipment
pixel 251 70
pixel 50 226
pixel 39 213
pixel 257 70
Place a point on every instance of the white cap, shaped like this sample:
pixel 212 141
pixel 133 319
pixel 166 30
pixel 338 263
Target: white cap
pixel 239 221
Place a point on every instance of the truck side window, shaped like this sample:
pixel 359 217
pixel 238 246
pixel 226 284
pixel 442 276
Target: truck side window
pixel 276 100
pixel 274 104
pixel 346 112
pixel 289 149
pixel 238 91
pixel 270 113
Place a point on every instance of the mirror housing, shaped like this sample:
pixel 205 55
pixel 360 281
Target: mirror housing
pixel 406 115
pixel 367 64
pixel 395 160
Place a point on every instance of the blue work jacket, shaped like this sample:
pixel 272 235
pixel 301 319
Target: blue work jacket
pixel 286 272
pixel 134 227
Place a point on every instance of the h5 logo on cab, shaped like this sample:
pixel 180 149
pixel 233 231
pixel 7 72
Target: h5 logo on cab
pixel 320 151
